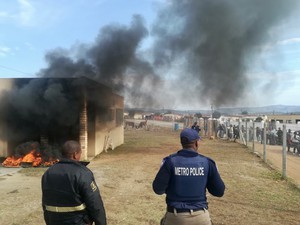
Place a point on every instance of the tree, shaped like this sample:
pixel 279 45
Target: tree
pixel 244 112
pixel 198 115
pixel 258 119
pixel 131 113
pixel 216 115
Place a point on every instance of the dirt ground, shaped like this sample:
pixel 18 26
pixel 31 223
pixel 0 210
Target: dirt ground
pixel 274 156
pixel 255 193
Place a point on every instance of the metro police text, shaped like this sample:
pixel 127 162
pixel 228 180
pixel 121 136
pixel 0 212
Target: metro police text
pixel 189 171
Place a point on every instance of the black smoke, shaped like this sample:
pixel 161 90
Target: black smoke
pixel 112 60
pixel 215 41
pixel 36 107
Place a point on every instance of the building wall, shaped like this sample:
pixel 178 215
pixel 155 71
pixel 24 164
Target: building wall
pixel 5 84
pixel 3 143
pixel 107 139
pixel 3 148
pixel 106 130
pixel 285 118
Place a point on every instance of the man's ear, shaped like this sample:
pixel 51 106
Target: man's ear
pixel 74 155
pixel 196 144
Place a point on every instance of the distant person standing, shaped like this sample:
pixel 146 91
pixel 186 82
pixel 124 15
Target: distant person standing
pixel 184 177
pixel 295 140
pixel 236 132
pixel 289 139
pixel 258 134
pixel 220 131
pixel 230 132
pixel 196 127
pixel 279 136
pixel 262 135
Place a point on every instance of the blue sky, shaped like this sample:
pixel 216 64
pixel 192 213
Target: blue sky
pixel 31 28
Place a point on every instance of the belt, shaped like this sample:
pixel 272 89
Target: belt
pixel 172 210
pixel 65 209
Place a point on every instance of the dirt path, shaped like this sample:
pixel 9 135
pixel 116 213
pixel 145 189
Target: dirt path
pixel 274 157
pixel 255 194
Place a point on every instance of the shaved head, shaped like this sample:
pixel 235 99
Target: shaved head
pixel 69 148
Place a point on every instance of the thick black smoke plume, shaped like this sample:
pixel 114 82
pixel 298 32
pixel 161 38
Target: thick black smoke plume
pixel 214 40
pixel 111 60
pixel 37 107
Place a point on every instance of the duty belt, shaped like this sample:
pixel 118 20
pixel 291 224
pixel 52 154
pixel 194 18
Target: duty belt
pixel 173 210
pixel 63 209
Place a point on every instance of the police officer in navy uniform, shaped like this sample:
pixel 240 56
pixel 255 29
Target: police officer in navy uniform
pixel 70 195
pixel 196 127
pixel 184 178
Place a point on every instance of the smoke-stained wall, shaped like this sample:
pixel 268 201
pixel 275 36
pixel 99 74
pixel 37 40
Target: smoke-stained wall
pixel 40 106
pixel 5 85
pixel 51 107
pixel 106 129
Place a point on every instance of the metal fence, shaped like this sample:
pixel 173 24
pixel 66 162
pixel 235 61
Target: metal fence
pixel 266 139
pixel 271 140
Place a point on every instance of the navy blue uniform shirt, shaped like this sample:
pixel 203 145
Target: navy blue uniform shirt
pixel 184 178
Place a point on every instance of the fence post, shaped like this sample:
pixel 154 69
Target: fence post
pixel 284 152
pixel 239 130
pixel 247 133
pixel 265 141
pixel 254 135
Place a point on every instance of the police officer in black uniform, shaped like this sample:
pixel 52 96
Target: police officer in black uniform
pixel 184 178
pixel 70 195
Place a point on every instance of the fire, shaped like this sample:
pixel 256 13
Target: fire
pixel 32 158
pixel 50 162
pixel 12 161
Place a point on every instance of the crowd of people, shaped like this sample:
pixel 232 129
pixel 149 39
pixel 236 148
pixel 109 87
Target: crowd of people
pixel 232 131
pixel 274 136
pixel 293 141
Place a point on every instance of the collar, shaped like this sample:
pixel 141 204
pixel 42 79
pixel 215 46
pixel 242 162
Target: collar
pixel 66 160
pixel 187 152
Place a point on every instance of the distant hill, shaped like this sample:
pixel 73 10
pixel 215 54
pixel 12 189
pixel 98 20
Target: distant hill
pixel 264 110
pixel 272 109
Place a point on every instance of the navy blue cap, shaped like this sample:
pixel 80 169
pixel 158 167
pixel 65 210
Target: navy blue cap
pixel 188 135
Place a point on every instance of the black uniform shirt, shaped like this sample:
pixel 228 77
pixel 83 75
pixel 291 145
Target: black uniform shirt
pixel 67 184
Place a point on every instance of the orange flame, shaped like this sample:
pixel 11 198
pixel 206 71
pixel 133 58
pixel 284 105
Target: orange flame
pixel 50 162
pixel 34 158
pixel 31 158
pixel 12 161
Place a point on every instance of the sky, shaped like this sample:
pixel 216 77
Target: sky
pixel 201 53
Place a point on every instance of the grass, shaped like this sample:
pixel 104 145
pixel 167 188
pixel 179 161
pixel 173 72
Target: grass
pixel 255 193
